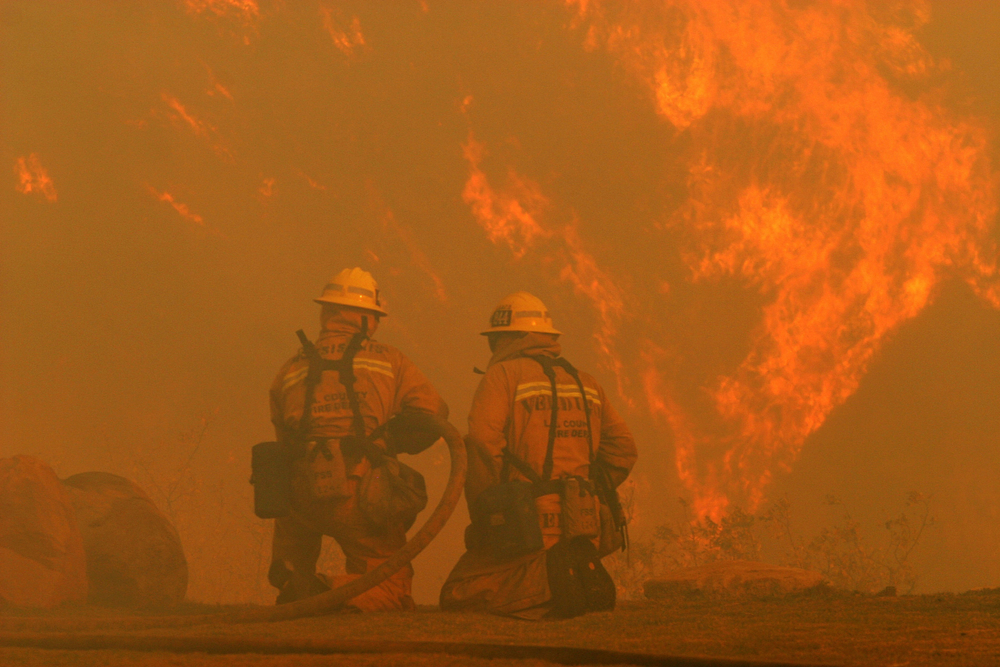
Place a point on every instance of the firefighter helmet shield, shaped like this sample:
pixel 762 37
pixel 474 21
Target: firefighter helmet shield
pixel 521 311
pixel 353 287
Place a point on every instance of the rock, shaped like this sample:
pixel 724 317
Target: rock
pixel 735 578
pixel 42 561
pixel 134 555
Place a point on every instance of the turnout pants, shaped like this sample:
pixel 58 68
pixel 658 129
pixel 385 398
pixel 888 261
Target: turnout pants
pixel 298 541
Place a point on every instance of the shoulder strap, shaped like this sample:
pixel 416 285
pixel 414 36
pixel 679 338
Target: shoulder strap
pixel 547 368
pixel 568 367
pixel 345 372
pixel 346 375
pixel 312 379
pixel 522 467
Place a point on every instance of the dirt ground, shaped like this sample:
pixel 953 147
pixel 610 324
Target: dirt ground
pixel 962 629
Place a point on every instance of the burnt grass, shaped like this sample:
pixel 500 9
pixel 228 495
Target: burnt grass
pixel 831 628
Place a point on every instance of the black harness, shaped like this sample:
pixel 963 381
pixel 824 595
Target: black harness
pixel 344 367
pixel 544 484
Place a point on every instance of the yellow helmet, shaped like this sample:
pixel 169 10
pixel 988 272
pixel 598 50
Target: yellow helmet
pixel 521 311
pixel 353 287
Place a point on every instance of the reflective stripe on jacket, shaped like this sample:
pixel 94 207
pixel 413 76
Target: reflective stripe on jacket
pixel 387 382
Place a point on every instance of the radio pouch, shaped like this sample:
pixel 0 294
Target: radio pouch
pixel 505 521
pixel 271 479
pixel 580 509
pixel 392 491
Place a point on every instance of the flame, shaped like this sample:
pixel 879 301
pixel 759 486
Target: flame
pixel 215 87
pixel 510 216
pixel 315 185
pixel 815 180
pixel 200 128
pixel 246 10
pixel 204 130
pixel 266 190
pixel 32 177
pixel 184 211
pixel 347 40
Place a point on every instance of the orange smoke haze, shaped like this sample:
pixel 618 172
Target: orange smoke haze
pixel 755 223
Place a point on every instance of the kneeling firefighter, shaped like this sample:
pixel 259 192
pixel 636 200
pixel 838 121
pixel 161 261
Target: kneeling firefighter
pixel 339 409
pixel 546 455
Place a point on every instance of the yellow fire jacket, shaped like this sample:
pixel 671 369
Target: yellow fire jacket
pixel 387 382
pixel 512 408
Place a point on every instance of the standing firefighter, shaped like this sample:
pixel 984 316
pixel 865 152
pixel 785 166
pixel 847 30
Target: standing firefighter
pixel 339 409
pixel 546 453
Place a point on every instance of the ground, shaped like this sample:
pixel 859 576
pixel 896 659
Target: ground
pixel 950 629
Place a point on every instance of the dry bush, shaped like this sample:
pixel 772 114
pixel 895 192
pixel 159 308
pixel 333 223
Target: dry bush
pixel 226 545
pixel 850 557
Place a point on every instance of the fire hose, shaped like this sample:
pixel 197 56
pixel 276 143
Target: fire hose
pixel 319 604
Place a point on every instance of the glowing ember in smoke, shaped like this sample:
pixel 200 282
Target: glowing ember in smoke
pixel 346 39
pixel 200 128
pixel 267 187
pixel 312 183
pixel 180 116
pixel 180 207
pixel 814 181
pixel 32 177
pixel 216 88
pixel 247 10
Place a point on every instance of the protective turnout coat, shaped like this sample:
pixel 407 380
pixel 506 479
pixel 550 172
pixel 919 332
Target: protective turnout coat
pixel 386 383
pixel 511 409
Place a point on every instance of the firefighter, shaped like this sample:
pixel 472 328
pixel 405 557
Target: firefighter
pixel 542 478
pixel 346 481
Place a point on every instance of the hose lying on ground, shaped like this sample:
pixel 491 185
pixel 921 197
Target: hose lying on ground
pixel 313 606
pixel 562 655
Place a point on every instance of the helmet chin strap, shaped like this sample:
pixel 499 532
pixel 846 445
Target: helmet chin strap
pixel 364 326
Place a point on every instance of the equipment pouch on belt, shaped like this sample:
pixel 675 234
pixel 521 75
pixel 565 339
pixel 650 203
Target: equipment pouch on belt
pixel 580 509
pixel 272 480
pixel 505 521
pixel 391 491
pixel 325 469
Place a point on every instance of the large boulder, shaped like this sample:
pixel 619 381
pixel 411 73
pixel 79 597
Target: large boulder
pixel 735 578
pixel 42 561
pixel 134 555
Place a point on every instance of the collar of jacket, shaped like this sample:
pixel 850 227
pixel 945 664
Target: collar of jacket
pixel 343 323
pixel 532 345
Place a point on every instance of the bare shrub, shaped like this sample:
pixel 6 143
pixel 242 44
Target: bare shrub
pixel 849 556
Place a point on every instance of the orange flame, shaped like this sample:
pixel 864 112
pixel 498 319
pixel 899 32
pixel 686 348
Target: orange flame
pixel 32 177
pixel 247 10
pixel 184 211
pixel 200 128
pixel 266 190
pixel 816 181
pixel 179 114
pixel 347 40
pixel 509 216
